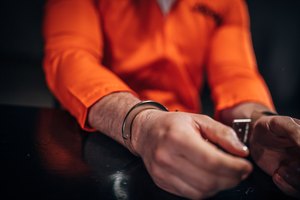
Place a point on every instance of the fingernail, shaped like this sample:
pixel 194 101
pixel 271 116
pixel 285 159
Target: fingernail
pixel 245 148
pixel 241 146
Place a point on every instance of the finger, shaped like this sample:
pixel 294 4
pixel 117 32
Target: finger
pixel 204 155
pixel 290 172
pixel 175 185
pixel 285 127
pixel 222 135
pixel 200 178
pixel 262 134
pixel 223 164
pixel 284 186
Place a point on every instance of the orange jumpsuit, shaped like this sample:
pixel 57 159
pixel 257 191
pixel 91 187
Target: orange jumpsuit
pixel 94 48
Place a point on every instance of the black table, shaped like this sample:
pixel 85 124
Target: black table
pixel 45 155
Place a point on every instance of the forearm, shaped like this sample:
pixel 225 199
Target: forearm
pixel 73 57
pixel 108 113
pixel 243 110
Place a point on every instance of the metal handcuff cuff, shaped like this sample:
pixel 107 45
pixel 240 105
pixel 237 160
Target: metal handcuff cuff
pixel 131 115
pixel 242 127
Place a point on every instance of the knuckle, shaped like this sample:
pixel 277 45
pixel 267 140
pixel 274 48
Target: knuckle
pixel 156 173
pixel 161 184
pixel 259 125
pixel 160 157
pixel 183 191
pixel 212 162
pixel 188 192
pixel 273 121
pixel 206 117
pixel 165 185
pixel 171 136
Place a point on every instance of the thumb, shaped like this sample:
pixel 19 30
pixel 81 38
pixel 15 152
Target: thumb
pixel 222 135
pixel 286 127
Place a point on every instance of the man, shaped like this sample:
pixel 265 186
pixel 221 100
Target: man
pixel 102 58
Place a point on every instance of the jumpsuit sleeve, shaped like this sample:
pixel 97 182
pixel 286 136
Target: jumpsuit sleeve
pixel 73 57
pixel 231 68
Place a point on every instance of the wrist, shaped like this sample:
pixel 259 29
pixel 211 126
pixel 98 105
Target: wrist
pixel 140 129
pixel 108 113
pixel 131 116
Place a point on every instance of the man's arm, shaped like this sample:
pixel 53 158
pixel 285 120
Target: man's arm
pixel 232 72
pixel 107 114
pixel 238 91
pixel 274 143
pixel 73 55
pixel 174 147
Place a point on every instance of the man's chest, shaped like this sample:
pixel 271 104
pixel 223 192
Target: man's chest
pixel 130 25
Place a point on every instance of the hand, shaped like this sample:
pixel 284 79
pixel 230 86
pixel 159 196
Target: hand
pixel 174 149
pixel 275 146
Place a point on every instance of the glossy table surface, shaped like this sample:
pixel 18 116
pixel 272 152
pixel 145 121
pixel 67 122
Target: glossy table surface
pixel 45 155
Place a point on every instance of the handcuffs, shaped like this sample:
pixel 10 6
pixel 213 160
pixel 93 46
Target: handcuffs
pixel 130 117
pixel 242 127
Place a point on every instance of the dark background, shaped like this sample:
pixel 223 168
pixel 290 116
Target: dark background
pixel 275 29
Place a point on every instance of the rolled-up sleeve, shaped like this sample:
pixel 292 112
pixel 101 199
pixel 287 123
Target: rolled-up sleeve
pixel 73 55
pixel 232 71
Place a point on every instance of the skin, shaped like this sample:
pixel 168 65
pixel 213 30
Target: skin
pixel 184 156
pixel 275 141
pixel 275 145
